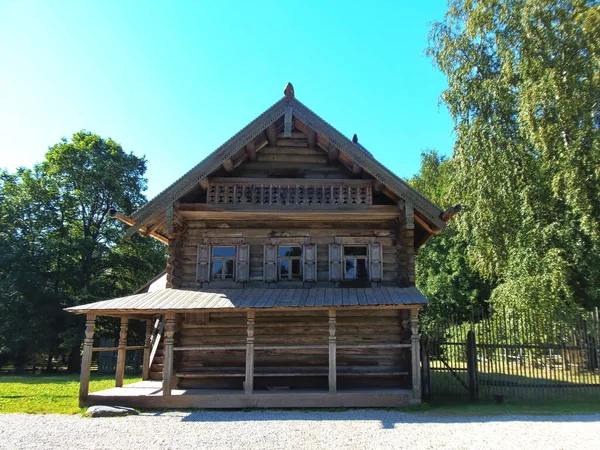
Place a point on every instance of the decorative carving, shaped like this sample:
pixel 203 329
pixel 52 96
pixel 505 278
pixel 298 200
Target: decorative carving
pixel 169 330
pixel 289 194
pixel 289 90
pixel 148 337
pixel 89 332
pixel 123 332
pixel 287 122
pixel 410 216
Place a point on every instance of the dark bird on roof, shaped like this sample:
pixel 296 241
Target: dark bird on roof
pixel 355 139
pixel 289 91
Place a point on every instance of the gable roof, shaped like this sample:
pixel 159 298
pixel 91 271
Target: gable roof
pixel 354 151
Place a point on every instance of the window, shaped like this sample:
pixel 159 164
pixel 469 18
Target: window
pixel 289 262
pixel 355 263
pixel 223 263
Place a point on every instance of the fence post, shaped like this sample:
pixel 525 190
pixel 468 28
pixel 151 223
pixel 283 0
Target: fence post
pixel 426 374
pixel 472 366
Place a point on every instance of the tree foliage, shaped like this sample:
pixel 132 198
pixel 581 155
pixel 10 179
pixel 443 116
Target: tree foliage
pixel 58 246
pixel 524 93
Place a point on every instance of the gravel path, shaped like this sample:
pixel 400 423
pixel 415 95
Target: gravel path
pixel 356 429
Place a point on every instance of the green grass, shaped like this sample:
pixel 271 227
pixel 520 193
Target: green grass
pixel 45 394
pixel 523 407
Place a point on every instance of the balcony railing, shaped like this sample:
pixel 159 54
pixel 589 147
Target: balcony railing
pixel 290 194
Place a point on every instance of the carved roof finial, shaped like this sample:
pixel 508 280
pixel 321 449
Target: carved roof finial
pixel 289 91
pixel 355 139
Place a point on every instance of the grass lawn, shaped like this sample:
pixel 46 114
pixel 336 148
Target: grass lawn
pixel 43 394
pixel 523 407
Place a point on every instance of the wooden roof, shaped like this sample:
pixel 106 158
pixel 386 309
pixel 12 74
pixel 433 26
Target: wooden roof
pixel 291 106
pixel 252 298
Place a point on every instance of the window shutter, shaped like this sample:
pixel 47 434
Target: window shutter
pixel 309 253
pixel 270 269
pixel 243 263
pixel 335 262
pixel 203 271
pixel 375 266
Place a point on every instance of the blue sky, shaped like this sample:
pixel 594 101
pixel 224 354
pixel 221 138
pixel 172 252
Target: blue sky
pixel 174 80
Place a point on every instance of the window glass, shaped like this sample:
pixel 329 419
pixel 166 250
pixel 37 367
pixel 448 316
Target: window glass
pixel 223 263
pixel 355 251
pixel 290 262
pixel 217 269
pixel 355 263
pixel 290 251
pixel 223 251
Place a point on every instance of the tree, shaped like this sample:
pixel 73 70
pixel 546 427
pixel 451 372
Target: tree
pixel 444 274
pixel 61 248
pixel 524 93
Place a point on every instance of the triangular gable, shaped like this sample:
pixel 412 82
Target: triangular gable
pixel 356 152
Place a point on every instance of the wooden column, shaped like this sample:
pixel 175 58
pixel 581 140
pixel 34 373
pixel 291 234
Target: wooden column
pixel 416 354
pixel 168 349
pixel 86 360
pixel 122 352
pixel 332 353
pixel 249 383
pixel 147 350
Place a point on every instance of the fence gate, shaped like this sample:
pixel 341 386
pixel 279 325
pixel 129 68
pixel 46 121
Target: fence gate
pixel 505 354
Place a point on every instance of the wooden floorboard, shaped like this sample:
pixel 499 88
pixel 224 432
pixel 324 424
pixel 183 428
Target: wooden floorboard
pixel 147 394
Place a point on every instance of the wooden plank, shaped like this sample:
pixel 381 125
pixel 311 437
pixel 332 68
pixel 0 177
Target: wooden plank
pixel 271 135
pixel 121 353
pixel 168 379
pixel 299 181
pixel 251 151
pixel 226 399
pixel 86 360
pixel 332 353
pixel 249 380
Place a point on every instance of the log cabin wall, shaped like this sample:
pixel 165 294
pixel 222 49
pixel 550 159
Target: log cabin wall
pixel 258 234
pixel 296 368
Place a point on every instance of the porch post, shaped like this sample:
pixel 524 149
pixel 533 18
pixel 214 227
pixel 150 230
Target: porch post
pixel 416 353
pixel 86 360
pixel 168 361
pixel 147 349
pixel 121 353
pixel 332 353
pixel 249 383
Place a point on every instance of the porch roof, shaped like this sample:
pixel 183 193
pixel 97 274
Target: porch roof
pixel 253 298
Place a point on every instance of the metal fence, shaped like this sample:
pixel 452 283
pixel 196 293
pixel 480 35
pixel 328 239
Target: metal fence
pixel 505 354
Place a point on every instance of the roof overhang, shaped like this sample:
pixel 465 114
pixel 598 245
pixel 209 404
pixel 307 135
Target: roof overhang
pixel 179 300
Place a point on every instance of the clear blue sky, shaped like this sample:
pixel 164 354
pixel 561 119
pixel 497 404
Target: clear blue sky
pixel 174 80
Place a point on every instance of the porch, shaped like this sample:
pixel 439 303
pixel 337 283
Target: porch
pixel 149 394
pixel 330 355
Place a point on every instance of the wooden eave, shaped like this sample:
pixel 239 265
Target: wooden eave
pixel 235 151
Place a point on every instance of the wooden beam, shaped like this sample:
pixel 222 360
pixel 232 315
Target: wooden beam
pixel 86 360
pixel 410 215
pixel 287 121
pixel 378 186
pixel 228 165
pixel 249 382
pixel 144 230
pixel 312 138
pixel 168 352
pixel 450 213
pixel 160 325
pixel 251 151
pixel 332 353
pixel 416 354
pixel 425 225
pixel 332 153
pixel 271 135
pixel 356 168
pixel 148 349
pixel 204 183
pixel 122 352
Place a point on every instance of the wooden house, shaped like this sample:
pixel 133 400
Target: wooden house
pixel 290 277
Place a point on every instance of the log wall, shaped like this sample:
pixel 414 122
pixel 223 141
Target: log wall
pixel 299 367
